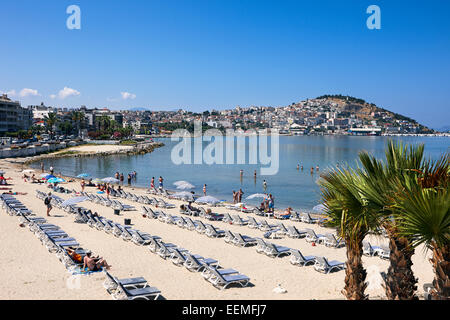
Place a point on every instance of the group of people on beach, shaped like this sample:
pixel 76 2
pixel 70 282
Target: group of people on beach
pixel 237 196
pixel 268 204
pixel 119 176
pixel 160 182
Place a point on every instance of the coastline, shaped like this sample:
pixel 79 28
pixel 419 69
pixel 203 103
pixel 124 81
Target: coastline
pixel 50 280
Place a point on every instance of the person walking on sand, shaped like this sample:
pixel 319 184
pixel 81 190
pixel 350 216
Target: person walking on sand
pixel 161 182
pixel 47 202
pixel 152 183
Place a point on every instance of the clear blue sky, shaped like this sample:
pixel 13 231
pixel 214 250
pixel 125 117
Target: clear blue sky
pixel 203 54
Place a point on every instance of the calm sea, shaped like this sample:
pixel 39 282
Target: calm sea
pixel 290 187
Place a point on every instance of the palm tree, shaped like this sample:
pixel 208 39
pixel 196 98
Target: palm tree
pixel 380 187
pixel 424 214
pixel 78 118
pixel 50 121
pixel 353 217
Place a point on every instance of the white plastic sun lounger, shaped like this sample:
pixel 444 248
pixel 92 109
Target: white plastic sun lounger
pixel 298 259
pixel 223 281
pixel 325 266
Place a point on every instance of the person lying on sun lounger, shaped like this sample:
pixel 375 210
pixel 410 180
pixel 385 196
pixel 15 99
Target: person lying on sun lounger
pixel 75 256
pixel 94 263
pixel 192 208
pixel 212 215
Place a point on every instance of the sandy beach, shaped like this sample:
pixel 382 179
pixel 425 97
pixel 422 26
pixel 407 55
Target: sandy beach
pixel 29 271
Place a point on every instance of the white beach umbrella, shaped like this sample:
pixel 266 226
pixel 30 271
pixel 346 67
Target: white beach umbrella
pixel 320 208
pixel 28 171
pixel 256 195
pixel 75 200
pixel 110 180
pixel 207 199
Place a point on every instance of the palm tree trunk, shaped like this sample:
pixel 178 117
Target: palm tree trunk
pixel 355 274
pixel 441 265
pixel 399 282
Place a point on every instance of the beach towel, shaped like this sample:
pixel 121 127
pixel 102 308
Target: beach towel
pixel 84 271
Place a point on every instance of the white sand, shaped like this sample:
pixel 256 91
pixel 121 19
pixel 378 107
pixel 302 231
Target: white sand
pixel 96 148
pixel 29 271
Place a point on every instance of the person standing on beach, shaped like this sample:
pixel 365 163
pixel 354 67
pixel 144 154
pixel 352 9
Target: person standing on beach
pixel 264 185
pixel 204 189
pixel 51 169
pixel 117 175
pixel 161 182
pixel 152 183
pixel 83 184
pixel 47 202
pixel 121 178
pixel 42 166
pixel 108 191
pixel 271 204
pixel 234 196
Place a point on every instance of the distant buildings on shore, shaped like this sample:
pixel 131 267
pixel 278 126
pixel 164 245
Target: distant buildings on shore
pixel 327 115
pixel 12 116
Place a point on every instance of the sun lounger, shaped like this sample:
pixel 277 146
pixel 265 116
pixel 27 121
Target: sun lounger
pixel 264 226
pixel 195 265
pixel 237 220
pixel 252 223
pixel 325 266
pixel 223 281
pixel 293 232
pixel 207 273
pixel 297 258
pixel 311 236
pixel 331 241
pixel 261 245
pixel 212 232
pixel 243 241
pixel 111 283
pixel 227 218
pixel 385 252
pixel 306 217
pixel 146 293
pixel 229 236
pixel 201 228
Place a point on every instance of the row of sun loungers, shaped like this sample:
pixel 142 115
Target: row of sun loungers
pixel 161 203
pixel 167 251
pixel 57 240
pixel 270 249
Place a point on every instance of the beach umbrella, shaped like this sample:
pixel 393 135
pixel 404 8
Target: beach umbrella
pixel 55 180
pixel 75 200
pixel 207 199
pixel 49 176
pixel 83 175
pixel 2 172
pixel 43 175
pixel 97 180
pixel 110 180
pixel 256 195
pixel 28 171
pixel 320 208
pixel 183 185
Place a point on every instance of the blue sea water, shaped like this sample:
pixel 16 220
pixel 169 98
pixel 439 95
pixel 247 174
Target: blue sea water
pixel 290 187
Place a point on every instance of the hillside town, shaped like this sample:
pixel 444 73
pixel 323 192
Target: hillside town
pixel 326 115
